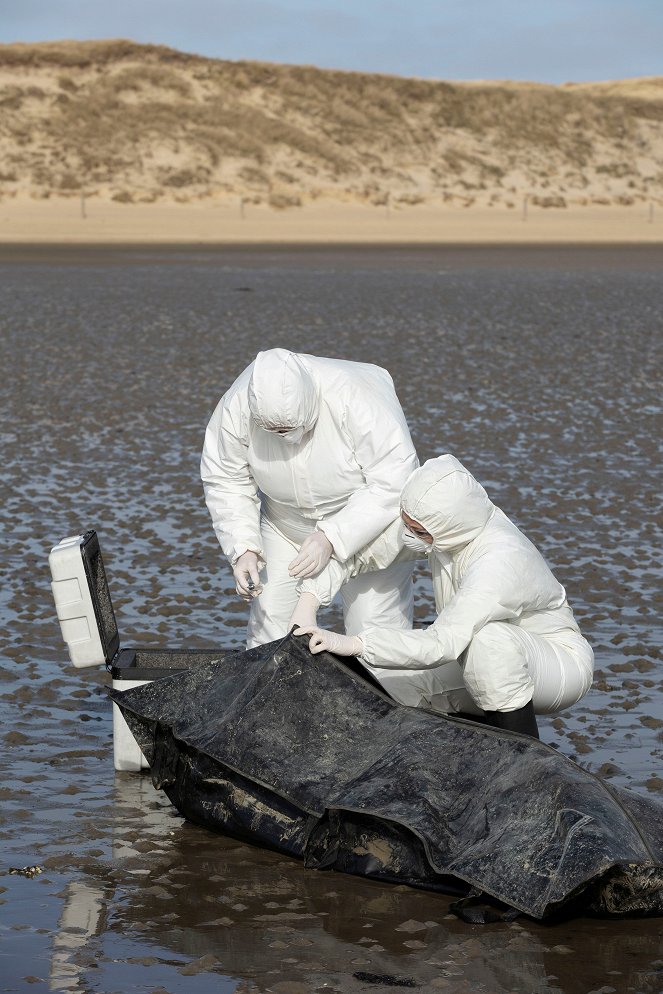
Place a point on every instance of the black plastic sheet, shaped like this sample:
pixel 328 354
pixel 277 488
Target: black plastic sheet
pixel 301 754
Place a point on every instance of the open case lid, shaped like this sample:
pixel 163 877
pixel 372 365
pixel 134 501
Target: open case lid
pixel 82 600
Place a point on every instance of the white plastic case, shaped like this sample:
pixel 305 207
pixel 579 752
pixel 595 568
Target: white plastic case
pixel 73 603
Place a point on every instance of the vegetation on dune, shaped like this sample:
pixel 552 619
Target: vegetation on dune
pixel 144 122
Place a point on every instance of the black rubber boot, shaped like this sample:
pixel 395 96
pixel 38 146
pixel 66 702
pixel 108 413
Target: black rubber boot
pixel 523 720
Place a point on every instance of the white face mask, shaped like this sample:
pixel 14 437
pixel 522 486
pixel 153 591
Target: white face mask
pixel 293 436
pixel 416 544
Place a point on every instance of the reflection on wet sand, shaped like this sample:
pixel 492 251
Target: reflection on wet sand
pixel 84 914
pixel 184 898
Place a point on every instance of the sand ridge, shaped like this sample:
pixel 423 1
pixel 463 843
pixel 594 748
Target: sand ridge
pixel 121 123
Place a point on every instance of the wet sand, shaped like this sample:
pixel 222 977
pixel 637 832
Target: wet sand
pixel 540 368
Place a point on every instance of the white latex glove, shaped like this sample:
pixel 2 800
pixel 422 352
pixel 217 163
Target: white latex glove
pixel 305 614
pixel 314 554
pixel 323 641
pixel 247 580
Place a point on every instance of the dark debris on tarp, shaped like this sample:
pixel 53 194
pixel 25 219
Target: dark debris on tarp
pixel 301 754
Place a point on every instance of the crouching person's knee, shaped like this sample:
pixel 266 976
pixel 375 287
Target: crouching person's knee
pixel 495 669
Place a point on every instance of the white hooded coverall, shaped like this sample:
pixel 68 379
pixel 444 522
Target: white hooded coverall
pixel 341 471
pixel 504 634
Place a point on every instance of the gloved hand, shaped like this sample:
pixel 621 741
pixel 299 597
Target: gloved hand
pixel 305 614
pixel 247 580
pixel 314 554
pixel 323 641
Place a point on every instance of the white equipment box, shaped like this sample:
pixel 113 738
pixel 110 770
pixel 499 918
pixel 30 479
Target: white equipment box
pixel 87 620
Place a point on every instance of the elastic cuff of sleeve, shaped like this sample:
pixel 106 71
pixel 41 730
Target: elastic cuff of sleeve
pixel 240 550
pixel 365 655
pixel 301 590
pixel 331 532
pixel 304 589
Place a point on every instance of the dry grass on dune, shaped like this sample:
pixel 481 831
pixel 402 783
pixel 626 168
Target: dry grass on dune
pixel 143 123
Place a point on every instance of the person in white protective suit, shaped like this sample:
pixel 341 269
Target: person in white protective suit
pixel 304 459
pixel 505 644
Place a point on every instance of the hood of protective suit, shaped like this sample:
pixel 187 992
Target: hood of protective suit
pixel 282 391
pixel 448 502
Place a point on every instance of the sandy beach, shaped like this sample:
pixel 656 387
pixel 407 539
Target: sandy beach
pixel 76 221
pixel 538 366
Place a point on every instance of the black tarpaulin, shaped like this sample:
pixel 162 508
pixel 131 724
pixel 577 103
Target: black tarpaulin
pixel 301 754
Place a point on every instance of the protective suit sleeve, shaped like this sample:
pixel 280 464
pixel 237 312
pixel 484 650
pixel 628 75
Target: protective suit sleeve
pixel 384 550
pixel 378 435
pixel 328 582
pixel 231 494
pixel 487 593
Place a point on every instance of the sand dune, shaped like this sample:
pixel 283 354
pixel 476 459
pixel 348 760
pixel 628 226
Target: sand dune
pixel 122 123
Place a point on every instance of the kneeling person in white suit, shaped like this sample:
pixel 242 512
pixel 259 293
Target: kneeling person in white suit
pixel 505 644
pixel 305 458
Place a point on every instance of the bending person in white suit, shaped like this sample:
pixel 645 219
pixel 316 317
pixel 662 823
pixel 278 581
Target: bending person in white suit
pixel 505 644
pixel 305 459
